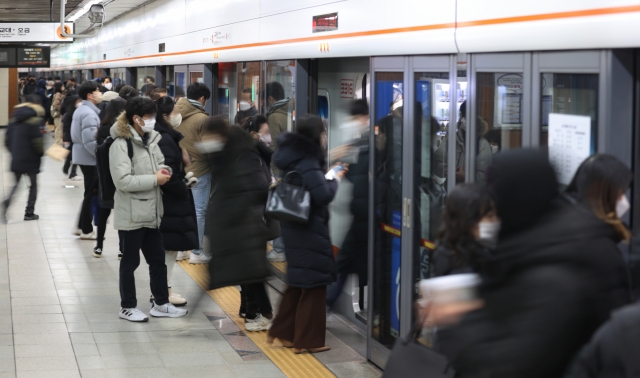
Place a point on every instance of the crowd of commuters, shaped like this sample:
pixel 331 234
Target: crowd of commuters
pixel 185 185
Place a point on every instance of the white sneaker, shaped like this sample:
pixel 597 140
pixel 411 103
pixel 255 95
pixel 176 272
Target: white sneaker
pixel 167 310
pixel 133 315
pixel 199 259
pixel 75 178
pixel 260 323
pixel 276 257
pixel 90 236
pixel 77 232
pixel 182 255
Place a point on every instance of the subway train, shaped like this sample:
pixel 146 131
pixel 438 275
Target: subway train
pixel 517 69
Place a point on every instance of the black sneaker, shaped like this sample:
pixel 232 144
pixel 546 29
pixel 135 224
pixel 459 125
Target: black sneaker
pixel 119 255
pixel 31 216
pixel 97 252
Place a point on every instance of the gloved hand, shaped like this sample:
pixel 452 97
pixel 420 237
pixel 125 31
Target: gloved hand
pixel 189 180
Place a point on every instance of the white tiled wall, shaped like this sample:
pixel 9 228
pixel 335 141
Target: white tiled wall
pixel 4 96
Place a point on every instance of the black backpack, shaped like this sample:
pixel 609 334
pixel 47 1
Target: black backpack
pixel 106 187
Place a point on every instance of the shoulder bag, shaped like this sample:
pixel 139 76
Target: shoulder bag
pixel 287 202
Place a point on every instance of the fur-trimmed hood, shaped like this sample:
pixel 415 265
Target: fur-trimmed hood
pixel 122 129
pixel 24 112
pixel 294 147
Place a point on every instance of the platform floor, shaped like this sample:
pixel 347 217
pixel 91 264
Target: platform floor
pixel 59 309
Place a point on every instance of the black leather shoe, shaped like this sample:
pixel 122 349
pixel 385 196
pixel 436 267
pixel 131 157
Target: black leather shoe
pixel 31 216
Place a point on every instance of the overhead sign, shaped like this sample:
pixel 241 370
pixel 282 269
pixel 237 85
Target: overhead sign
pixel 25 57
pixel 325 22
pixel 34 32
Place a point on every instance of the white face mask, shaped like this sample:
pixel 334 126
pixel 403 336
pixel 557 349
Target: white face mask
pixel 266 139
pixel 622 206
pixel 147 125
pixel 244 106
pixel 489 230
pixel 209 146
pixel 494 149
pixel 175 121
pixel 108 86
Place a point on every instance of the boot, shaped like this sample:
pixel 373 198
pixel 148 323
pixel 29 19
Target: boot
pixel 176 299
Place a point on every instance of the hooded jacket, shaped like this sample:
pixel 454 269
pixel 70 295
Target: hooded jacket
pixel 138 198
pixel 544 292
pixel 192 128
pixel 24 139
pixel 308 248
pixel 179 226
pixel 278 118
pixel 84 128
pixel 236 241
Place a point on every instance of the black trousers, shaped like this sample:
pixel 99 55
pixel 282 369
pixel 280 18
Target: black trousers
pixel 67 163
pixel 255 299
pixel 86 215
pixel 103 217
pixel 149 240
pixel 33 190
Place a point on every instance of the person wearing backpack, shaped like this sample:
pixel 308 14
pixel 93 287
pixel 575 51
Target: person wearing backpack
pixel 138 207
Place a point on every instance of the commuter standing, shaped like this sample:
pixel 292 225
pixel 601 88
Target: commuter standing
pixel 24 141
pixel 58 97
pixel 483 148
pixel 69 105
pixel 30 87
pixel 138 207
pixel 179 226
pixel 194 119
pixel 246 105
pixel 301 320
pixel 84 130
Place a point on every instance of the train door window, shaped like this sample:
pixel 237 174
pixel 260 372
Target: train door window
pixel 180 82
pixel 279 96
pixel 227 89
pixel 170 86
pixel 196 77
pixel 248 91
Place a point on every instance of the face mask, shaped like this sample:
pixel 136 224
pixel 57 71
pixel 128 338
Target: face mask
pixel 175 121
pixel 148 125
pixel 97 97
pixel 108 86
pixel 244 106
pixel 622 206
pixel 266 139
pixel 494 149
pixel 209 146
pixel 489 231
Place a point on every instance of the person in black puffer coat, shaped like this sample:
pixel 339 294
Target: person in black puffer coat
pixel 543 292
pixel 301 321
pixel 24 141
pixel 67 109
pixel 179 226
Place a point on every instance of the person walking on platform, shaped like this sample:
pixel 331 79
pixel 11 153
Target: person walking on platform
pixel 179 226
pixel 60 93
pixel 68 107
pixel 194 119
pixel 24 141
pixel 301 319
pixel 84 130
pixel 138 171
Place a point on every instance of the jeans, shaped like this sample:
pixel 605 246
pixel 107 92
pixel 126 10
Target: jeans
pixel 149 240
pixel 86 214
pixel 33 191
pixel 201 193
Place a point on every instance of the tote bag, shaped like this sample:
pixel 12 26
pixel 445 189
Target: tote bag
pixel 287 202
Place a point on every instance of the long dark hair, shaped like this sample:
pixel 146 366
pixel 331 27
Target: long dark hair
pixel 252 124
pixel 312 127
pixel 465 206
pixel 165 107
pixel 598 184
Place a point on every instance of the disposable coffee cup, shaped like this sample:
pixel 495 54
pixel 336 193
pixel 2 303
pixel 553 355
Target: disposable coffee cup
pixel 454 288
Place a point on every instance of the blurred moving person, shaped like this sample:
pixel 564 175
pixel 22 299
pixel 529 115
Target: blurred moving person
pixel 194 119
pixel 138 207
pixel 470 228
pixel 69 105
pixel 24 141
pixel 483 148
pixel 301 321
pixel 84 131
pixel 60 92
pixel 179 225
pixel 541 295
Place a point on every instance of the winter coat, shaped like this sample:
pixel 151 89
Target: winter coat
pixel 545 291
pixel 243 114
pixel 234 226
pixel 24 139
pixel 278 118
pixel 67 109
pixel 107 97
pixel 179 225
pixel 30 88
pixel 353 256
pixel 192 128
pixel 308 247
pixel 57 103
pixel 471 260
pixel 138 198
pixel 613 350
pixel 483 150
pixel 84 128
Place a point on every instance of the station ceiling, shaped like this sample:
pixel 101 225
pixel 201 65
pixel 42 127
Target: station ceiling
pixel 33 10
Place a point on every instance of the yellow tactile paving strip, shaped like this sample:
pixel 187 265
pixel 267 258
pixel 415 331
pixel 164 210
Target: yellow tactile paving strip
pixel 281 266
pixel 228 298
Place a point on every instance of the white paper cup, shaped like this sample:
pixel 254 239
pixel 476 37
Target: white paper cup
pixel 450 289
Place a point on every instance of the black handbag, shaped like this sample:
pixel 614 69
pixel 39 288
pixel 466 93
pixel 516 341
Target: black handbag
pixel 289 203
pixel 410 359
pixel 273 229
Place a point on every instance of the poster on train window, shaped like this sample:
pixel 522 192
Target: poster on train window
pixel 569 144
